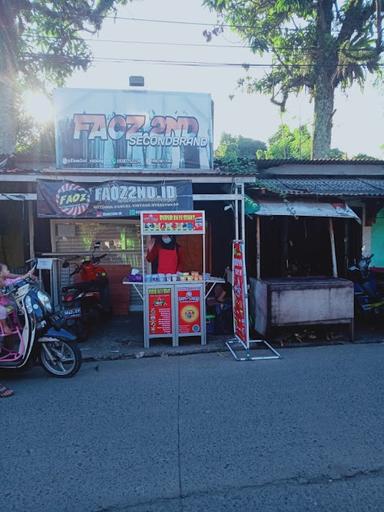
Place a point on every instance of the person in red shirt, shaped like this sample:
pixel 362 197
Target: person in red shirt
pixel 164 253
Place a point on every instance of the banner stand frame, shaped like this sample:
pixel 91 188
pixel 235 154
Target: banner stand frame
pixel 240 310
pixel 248 351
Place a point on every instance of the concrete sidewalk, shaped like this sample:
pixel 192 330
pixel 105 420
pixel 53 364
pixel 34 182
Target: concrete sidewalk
pixel 122 338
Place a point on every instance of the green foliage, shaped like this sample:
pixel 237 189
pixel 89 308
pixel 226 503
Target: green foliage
pixel 287 143
pixel 43 41
pixel 336 154
pixel 232 147
pixel 316 46
pixel 296 144
pixel 41 44
pixel 363 156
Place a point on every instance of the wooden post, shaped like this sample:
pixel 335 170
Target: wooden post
pixel 258 256
pixel 243 213
pixel 236 218
pixel 31 230
pixel 333 248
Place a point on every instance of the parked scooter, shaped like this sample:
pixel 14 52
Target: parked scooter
pixel 87 301
pixel 368 298
pixel 38 332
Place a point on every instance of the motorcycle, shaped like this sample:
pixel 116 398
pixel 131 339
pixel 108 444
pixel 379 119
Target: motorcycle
pixel 368 298
pixel 38 331
pixel 86 301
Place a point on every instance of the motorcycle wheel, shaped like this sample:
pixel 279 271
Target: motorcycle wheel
pixel 60 358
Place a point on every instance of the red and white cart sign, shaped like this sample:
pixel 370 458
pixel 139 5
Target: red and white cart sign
pixel 239 291
pixel 189 310
pixel 177 223
pixel 160 311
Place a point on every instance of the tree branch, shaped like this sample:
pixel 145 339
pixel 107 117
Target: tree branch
pixel 355 18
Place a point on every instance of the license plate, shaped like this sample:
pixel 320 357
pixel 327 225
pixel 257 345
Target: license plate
pixel 72 312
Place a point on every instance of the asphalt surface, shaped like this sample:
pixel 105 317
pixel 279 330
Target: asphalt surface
pixel 199 433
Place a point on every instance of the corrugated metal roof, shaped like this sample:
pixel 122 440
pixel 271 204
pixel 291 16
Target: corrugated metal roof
pixel 320 186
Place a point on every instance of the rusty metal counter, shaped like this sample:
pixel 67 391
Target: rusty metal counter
pixel 301 301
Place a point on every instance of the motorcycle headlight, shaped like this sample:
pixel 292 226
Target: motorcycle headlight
pixel 45 301
pixel 28 304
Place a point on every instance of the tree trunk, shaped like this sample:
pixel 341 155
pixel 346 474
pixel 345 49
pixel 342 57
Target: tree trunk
pixel 7 115
pixel 324 90
pixel 8 74
pixel 323 112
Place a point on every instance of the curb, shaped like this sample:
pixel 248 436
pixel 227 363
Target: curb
pixel 211 350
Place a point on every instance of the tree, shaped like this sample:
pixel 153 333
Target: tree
pixel 316 45
pixel 288 144
pixel 41 42
pixel 296 143
pixel 232 148
pixel 363 156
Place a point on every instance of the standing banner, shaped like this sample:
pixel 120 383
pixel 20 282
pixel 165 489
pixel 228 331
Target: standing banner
pixel 146 130
pixel 189 310
pixel 160 311
pixel 239 293
pixel 65 199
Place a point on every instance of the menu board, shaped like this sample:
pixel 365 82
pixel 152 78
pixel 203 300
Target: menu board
pixel 174 223
pixel 160 311
pixel 240 305
pixel 189 310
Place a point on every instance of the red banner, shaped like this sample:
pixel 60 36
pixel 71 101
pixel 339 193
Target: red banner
pixel 174 223
pixel 240 305
pixel 160 311
pixel 189 310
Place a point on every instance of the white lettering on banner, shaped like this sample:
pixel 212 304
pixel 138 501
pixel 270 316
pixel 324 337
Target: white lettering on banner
pixel 133 193
pixel 119 126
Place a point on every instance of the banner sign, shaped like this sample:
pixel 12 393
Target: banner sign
pixel 160 311
pixel 239 292
pixel 180 223
pixel 151 130
pixel 65 199
pixel 189 310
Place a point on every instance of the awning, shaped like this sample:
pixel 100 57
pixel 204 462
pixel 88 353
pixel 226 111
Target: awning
pixel 267 207
pixel 331 186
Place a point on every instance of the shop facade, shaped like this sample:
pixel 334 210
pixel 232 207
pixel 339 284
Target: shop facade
pixel 153 151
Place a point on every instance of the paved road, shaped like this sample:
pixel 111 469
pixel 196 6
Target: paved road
pixel 199 433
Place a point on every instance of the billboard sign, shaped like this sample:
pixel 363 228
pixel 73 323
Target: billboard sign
pixel 65 199
pixel 143 130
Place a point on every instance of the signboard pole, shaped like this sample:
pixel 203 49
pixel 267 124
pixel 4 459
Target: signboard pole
pixel 240 310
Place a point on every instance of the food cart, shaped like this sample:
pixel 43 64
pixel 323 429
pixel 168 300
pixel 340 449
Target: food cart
pixel 301 300
pixel 173 304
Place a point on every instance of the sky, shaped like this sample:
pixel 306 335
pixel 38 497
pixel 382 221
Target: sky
pixel 358 119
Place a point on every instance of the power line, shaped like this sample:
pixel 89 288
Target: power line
pixel 122 60
pixel 153 43
pixel 193 23
pixel 176 44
